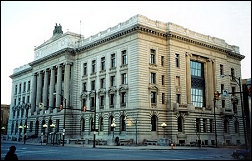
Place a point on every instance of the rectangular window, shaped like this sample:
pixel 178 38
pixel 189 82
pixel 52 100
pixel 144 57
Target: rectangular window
pixel 124 57
pixel 93 66
pixel 123 98
pixel 112 81
pixel 204 125
pixel 233 91
pixel 153 56
pixel 28 99
pixel 102 103
pixel 16 87
pixel 84 69
pixel 103 63
pixel 177 60
pixel 197 97
pixel 20 85
pixel 112 99
pixel 162 60
pixel 163 98
pixel 92 102
pixel 84 86
pixel 178 98
pixel 177 81
pixel 232 73
pixel 24 87
pixel 29 86
pixel 221 69
pixel 102 82
pixel 211 125
pixel 163 80
pixel 124 78
pixel 93 85
pixel 113 61
pixel 153 97
pixel 223 103
pixel 222 88
pixel 197 124
pixel 153 78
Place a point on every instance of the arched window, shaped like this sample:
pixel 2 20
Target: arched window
pixel 154 123
pixel 82 125
pixel 180 124
pixel 101 124
pixel 123 123
pixel 110 122
pixel 236 125
pixel 226 129
pixel 91 124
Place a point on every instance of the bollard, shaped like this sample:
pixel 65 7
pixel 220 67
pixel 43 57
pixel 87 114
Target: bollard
pixel 171 146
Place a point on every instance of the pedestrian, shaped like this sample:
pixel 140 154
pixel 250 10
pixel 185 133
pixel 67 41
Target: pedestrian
pixel 11 154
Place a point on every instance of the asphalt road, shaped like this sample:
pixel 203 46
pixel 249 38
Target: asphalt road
pixel 49 152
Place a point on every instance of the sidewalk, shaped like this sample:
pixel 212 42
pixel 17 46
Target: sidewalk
pixel 140 147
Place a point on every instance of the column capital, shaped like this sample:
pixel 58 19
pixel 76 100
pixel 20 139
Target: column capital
pixel 188 54
pixel 68 63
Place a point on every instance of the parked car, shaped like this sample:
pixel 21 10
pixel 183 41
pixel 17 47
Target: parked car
pixel 242 154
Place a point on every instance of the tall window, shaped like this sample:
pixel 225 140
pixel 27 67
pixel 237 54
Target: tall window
pixel 29 86
pixel 112 99
pixel 93 85
pixel 177 81
pixel 197 124
pixel 113 61
pixel 84 86
pixel 84 69
pixel 153 56
pixel 162 60
pixel 102 101
pixel 211 125
pixel 232 73
pixel 82 125
pixel 153 78
pixel 101 124
pixel 204 125
pixel 153 97
pixel 103 63
pixel 178 98
pixel 112 80
pixel 163 80
pixel 177 60
pixel 123 123
pixel 221 69
pixel 124 78
pixel 24 87
pixel 102 82
pixel 123 98
pixel 226 126
pixel 93 66
pixel 236 125
pixel 163 98
pixel 124 57
pixel 180 124
pixel 154 123
pixel 197 84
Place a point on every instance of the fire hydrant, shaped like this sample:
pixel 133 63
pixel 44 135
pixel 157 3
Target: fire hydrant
pixel 171 146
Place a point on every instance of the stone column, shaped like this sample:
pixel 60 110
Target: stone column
pixel 59 84
pixel 188 77
pixel 45 91
pixel 39 92
pixel 33 95
pixel 210 83
pixel 52 84
pixel 67 82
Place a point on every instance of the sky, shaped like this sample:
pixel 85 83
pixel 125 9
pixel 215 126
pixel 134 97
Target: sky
pixel 26 24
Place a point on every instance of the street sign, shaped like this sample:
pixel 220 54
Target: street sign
pixel 225 93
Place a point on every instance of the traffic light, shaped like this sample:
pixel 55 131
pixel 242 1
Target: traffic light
pixel 216 95
pixel 249 91
pixel 61 107
pixel 84 108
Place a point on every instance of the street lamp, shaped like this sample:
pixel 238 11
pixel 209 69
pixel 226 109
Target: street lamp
pixel 20 129
pixel 45 126
pixel 164 125
pixel 52 136
pixel 113 125
pixel 64 124
pixel 238 81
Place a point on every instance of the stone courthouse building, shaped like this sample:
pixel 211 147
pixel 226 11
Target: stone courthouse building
pixel 151 80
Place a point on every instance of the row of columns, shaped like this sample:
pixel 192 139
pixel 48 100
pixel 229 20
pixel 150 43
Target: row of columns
pixel 44 94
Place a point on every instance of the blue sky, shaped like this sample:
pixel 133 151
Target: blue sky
pixel 25 24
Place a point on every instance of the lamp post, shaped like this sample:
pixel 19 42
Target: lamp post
pixel 64 119
pixel 215 98
pixel 238 81
pixel 113 125
pixel 164 125
pixel 52 139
